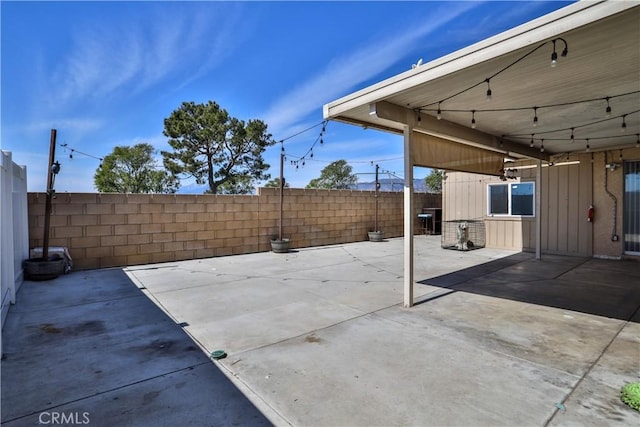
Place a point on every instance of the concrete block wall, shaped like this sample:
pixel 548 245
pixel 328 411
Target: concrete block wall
pixel 110 230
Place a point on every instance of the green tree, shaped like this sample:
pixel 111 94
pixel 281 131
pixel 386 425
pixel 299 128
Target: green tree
pixel 275 183
pixel 433 181
pixel 216 149
pixel 337 175
pixel 133 170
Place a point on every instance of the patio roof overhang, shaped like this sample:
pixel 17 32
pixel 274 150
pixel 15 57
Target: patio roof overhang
pixel 602 68
pixel 603 61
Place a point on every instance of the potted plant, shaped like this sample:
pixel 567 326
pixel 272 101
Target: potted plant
pixel 281 245
pixel 376 235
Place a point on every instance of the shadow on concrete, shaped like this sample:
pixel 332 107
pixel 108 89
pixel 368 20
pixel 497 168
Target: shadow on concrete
pixel 91 347
pixel 608 288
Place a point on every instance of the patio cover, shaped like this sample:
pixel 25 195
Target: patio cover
pixel 601 68
pixel 434 152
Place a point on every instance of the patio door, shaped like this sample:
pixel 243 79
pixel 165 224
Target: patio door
pixel 631 208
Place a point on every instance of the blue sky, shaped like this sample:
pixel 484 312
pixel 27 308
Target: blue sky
pixel 108 73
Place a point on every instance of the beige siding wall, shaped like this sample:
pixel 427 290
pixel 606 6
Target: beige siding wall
pixel 567 192
pixel 106 230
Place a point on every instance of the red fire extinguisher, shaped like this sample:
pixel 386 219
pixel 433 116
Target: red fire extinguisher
pixel 590 214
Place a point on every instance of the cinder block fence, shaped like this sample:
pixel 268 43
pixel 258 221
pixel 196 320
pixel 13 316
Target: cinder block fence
pixel 112 230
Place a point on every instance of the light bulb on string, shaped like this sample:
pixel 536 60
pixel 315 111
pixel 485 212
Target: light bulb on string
pixel 473 119
pixel 535 116
pixel 554 54
pixel 439 113
pixel 637 140
pixel 572 137
pixel 489 93
pixel 608 109
pixel 623 128
pixel 588 148
pixel 531 143
pixel 542 145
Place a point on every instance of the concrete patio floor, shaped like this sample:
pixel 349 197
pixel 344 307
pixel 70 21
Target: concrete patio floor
pixel 319 337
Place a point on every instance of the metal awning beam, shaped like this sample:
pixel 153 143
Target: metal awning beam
pixel 430 125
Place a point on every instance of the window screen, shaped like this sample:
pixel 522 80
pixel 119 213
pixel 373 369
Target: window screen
pixel 499 199
pixel 522 195
pixel 515 199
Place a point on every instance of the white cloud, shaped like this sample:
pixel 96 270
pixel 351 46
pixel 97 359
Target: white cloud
pixel 107 60
pixel 347 71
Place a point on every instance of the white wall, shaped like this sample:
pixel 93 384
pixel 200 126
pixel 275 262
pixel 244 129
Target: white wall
pixel 14 229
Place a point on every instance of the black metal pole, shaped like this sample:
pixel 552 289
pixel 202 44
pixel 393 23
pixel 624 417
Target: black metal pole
pixel 377 188
pixel 281 195
pixel 49 196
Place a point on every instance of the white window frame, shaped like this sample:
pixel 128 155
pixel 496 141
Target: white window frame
pixel 509 187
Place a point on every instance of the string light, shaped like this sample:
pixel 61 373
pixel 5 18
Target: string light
pixel 637 140
pixel 302 159
pixel 542 145
pixel 489 93
pixel 576 127
pixel 554 55
pixel 439 113
pixel 473 119
pixel 624 123
pixel 608 109
pixel 520 108
pixel 535 116
pixel 502 70
pixel 531 143
pixel 73 150
pixel 572 137
pixel 588 148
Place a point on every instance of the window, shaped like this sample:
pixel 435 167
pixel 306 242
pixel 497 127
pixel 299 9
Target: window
pixel 515 199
